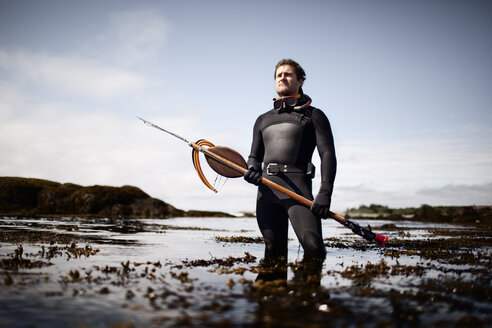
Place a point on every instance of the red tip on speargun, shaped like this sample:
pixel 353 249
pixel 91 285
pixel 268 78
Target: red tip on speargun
pixel 381 240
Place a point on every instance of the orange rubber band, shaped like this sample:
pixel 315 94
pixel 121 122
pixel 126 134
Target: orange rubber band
pixel 196 162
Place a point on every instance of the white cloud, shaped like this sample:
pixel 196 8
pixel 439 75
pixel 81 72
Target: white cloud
pixel 439 167
pixel 74 75
pixel 452 194
pixel 132 36
pixel 10 98
pixel 454 157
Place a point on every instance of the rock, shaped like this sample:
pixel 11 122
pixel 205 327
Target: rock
pixel 27 196
pixel 201 214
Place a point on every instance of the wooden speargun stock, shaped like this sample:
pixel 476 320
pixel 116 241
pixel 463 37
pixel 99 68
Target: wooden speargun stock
pixel 216 159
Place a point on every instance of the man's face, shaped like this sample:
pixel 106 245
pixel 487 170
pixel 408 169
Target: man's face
pixel 286 82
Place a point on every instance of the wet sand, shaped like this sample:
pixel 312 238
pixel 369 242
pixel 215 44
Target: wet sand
pixel 82 272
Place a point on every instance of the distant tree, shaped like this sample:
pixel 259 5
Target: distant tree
pixel 375 208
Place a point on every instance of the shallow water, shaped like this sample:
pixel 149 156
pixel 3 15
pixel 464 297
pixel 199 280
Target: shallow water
pixel 75 272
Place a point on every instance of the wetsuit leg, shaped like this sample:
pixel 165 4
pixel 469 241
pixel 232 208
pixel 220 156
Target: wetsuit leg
pixel 308 230
pixel 273 223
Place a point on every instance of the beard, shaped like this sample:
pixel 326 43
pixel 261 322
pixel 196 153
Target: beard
pixel 286 90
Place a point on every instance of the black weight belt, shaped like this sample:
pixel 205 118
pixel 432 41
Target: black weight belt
pixel 274 168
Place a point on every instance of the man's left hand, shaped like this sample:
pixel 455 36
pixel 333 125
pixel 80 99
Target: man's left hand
pixel 322 202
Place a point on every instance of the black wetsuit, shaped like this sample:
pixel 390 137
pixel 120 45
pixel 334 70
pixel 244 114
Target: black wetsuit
pixel 289 137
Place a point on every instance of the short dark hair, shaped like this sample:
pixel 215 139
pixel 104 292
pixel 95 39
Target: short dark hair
pixel 300 74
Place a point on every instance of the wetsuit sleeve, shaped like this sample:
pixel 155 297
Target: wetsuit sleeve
pixel 257 147
pixel 326 150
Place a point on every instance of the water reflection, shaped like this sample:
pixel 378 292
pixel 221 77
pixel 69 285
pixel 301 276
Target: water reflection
pixel 74 272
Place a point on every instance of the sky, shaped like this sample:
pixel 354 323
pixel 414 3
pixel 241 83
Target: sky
pixel 406 85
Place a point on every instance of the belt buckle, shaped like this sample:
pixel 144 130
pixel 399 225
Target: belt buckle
pixel 272 169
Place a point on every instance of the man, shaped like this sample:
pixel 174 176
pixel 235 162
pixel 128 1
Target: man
pixel 284 140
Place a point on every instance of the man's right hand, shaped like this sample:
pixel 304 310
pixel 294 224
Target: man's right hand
pixel 253 175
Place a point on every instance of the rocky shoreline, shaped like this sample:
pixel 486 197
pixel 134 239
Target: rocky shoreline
pixel 464 215
pixel 34 197
pixel 38 197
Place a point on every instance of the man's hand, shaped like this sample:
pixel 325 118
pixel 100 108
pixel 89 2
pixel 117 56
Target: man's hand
pixel 253 175
pixel 322 202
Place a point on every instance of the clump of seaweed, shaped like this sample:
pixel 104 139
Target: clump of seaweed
pixel 18 261
pixel 365 273
pixel 239 239
pixel 227 262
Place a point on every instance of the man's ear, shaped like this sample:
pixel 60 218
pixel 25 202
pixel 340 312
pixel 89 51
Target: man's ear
pixel 302 83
